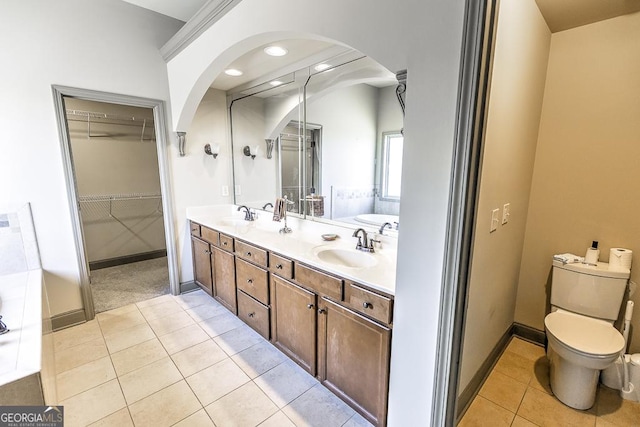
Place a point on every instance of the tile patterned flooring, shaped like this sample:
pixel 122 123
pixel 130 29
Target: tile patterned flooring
pixel 517 393
pixel 185 361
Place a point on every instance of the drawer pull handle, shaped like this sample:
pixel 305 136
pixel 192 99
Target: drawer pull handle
pixel 248 254
pixel 322 311
pixel 279 266
pixel 207 252
pixel 224 243
pixel 252 314
pixel 249 281
pixel 367 305
pixel 309 306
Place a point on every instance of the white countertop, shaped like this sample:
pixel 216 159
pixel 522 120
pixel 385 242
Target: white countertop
pixel 304 242
pixel 21 310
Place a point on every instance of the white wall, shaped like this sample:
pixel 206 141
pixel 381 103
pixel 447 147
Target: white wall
pixel 254 177
pixel 515 104
pixel 105 45
pixel 423 37
pixel 389 120
pixel 197 178
pixel 348 120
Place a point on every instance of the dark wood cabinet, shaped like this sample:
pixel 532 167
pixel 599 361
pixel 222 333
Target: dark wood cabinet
pixel 202 264
pixel 339 331
pixel 254 314
pixel 224 278
pixel 294 322
pixel 353 359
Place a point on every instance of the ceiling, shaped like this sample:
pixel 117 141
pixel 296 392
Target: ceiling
pixel 256 64
pixel 182 10
pixel 565 14
pixel 559 14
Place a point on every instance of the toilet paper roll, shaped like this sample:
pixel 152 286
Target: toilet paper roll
pixel 592 255
pixel 620 258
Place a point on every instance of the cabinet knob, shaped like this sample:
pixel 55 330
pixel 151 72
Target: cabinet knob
pixel 207 252
pixel 322 311
pixel 309 305
pixel 252 314
pixel 224 243
pixel 248 253
pixel 279 266
pixel 250 281
pixel 367 305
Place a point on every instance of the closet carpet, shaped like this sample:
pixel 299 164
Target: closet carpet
pixel 126 284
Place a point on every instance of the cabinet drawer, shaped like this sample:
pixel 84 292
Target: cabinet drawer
pixel 369 303
pixel 209 235
pixel 253 314
pixel 226 242
pixel 252 280
pixel 251 253
pixel 320 282
pixel 281 266
pixel 195 228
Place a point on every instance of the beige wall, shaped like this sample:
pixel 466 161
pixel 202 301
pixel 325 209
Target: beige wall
pixel 517 87
pixel 586 182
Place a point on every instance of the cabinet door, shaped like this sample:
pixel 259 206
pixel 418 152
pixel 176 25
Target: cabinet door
pixel 224 278
pixel 294 322
pixel 202 264
pixel 354 359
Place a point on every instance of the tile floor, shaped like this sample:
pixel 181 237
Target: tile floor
pixel 517 393
pixel 185 361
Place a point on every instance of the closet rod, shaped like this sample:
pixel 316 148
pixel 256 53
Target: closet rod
pixel 89 199
pixel 105 116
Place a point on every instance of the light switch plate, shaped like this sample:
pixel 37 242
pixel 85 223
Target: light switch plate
pixel 506 212
pixel 238 190
pixel 225 190
pixel 495 218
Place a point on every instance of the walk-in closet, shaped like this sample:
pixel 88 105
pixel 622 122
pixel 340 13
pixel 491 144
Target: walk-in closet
pixel 115 163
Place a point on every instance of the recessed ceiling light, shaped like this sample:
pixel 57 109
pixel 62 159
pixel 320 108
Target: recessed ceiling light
pixel 233 72
pixel 321 67
pixel 275 83
pixel 275 51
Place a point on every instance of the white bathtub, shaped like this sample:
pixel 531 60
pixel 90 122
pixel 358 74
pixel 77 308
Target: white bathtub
pixel 27 349
pixel 377 219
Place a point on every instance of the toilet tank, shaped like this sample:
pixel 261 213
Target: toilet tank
pixel 591 290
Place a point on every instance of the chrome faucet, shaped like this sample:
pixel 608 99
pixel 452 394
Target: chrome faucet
pixel 266 205
pixel 363 243
pixel 385 225
pixel 248 215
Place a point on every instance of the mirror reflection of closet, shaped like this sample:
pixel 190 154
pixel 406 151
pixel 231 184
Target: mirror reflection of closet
pixel 347 106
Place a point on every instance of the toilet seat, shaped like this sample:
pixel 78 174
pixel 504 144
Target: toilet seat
pixel 585 335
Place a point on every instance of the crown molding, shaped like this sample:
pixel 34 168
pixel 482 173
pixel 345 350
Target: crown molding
pixel 204 18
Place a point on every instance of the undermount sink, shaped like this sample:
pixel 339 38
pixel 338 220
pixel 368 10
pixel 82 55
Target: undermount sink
pixel 345 257
pixel 234 222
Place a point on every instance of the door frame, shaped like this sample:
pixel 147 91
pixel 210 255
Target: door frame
pixel 474 85
pixel 159 116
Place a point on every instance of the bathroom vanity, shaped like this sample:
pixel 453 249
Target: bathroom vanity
pixel 324 304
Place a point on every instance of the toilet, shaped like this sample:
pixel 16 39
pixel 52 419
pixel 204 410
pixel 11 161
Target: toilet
pixel 585 302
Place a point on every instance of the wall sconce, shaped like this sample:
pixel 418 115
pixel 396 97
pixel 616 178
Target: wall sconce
pixel 212 150
pixel 251 151
pixel 270 144
pixel 182 139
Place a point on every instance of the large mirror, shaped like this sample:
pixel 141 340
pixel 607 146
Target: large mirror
pixel 327 136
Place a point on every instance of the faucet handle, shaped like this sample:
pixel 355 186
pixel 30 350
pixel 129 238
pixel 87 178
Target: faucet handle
pixel 359 244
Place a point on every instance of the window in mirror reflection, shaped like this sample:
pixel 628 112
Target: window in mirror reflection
pixel 391 164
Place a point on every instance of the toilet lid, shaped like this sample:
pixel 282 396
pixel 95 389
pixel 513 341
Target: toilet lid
pixel 584 334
